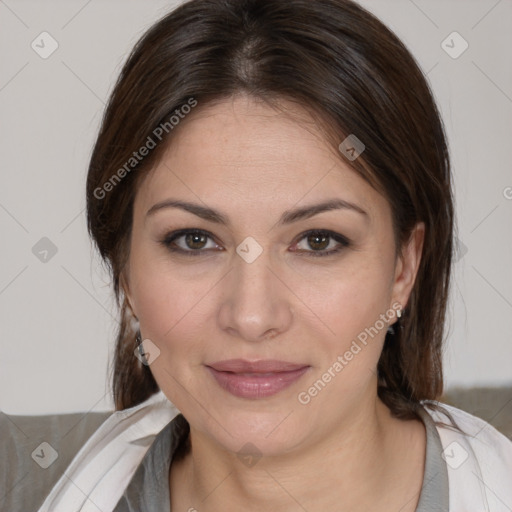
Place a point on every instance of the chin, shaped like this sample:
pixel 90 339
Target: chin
pixel 256 433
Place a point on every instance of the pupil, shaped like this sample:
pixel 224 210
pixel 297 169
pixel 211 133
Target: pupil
pixel 318 241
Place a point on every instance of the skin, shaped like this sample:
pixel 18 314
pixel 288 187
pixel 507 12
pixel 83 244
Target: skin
pixel 341 451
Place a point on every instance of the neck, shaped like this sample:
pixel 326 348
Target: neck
pixel 353 468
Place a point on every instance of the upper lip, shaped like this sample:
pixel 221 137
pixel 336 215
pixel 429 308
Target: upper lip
pixel 262 366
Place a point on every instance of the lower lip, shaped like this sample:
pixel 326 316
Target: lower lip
pixel 254 385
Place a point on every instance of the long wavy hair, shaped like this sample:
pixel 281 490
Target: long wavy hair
pixel 355 76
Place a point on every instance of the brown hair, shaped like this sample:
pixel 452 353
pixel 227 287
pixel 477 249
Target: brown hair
pixel 340 62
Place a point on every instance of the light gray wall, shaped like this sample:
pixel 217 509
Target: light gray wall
pixel 58 316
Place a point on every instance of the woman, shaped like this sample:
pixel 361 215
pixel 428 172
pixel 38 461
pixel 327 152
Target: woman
pixel 271 190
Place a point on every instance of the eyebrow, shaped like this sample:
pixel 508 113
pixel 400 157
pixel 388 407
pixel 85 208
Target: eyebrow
pixel 287 217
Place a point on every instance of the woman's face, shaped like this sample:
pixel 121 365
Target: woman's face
pixel 268 276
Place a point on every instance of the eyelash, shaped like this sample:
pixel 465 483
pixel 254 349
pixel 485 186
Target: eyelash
pixel 171 237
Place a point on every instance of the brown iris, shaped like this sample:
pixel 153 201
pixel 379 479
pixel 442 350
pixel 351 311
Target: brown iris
pixel 195 240
pixel 319 242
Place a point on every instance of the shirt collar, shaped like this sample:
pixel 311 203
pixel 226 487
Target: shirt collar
pixel 148 489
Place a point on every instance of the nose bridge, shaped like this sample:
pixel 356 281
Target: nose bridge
pixel 255 303
pixel 253 279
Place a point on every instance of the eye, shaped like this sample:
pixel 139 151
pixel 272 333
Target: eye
pixel 194 242
pixel 191 242
pixel 323 243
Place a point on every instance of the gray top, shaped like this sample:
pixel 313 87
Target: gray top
pixel 29 468
pixel 148 489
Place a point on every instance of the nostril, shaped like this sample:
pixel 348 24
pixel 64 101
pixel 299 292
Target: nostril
pixel 271 333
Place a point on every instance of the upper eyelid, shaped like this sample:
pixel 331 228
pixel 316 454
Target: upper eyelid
pixel 174 235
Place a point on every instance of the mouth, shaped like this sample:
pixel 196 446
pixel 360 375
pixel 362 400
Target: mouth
pixel 257 379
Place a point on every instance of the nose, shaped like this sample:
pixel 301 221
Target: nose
pixel 256 303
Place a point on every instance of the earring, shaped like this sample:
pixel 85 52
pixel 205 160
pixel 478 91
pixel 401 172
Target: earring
pixel 140 348
pixel 391 329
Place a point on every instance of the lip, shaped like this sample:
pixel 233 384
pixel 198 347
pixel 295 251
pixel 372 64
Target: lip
pixel 255 379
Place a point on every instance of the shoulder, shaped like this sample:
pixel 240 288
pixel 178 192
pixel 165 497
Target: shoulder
pixel 478 458
pixel 478 432
pixel 105 464
pixel 36 451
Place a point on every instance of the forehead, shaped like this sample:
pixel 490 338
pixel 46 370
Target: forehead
pixel 243 149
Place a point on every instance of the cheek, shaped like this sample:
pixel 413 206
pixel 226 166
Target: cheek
pixel 347 298
pixel 350 309
pixel 173 317
pixel 169 308
pixel 168 305
pixel 163 295
pixel 349 304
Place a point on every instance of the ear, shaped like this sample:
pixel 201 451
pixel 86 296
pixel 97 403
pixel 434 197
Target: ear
pixel 407 265
pixel 124 285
